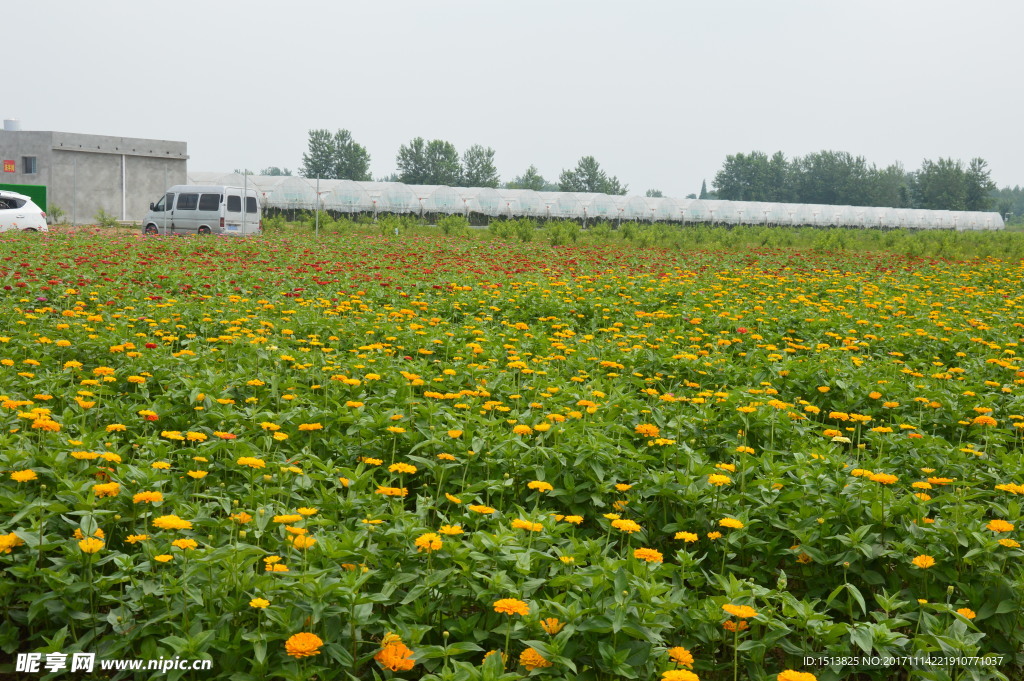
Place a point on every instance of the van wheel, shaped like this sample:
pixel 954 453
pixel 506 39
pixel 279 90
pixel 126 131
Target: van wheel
pixel 204 230
pixel 151 229
pixel 29 229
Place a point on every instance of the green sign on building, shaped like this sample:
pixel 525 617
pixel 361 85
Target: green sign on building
pixel 36 192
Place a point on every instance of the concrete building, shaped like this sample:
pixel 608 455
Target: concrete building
pixel 86 173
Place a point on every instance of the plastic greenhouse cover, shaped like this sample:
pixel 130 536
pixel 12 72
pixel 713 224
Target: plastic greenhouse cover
pixel 290 192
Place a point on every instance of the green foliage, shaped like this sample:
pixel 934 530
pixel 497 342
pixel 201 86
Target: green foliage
pixel 433 162
pixel 532 179
pixel 588 176
pixel 381 390
pixel 454 225
pixel 478 167
pixel 839 178
pixel 105 219
pixel 335 156
pixel 55 214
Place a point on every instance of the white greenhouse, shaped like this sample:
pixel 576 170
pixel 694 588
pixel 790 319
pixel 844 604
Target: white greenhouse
pixel 346 196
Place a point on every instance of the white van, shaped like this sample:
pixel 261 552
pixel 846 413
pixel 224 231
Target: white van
pixel 205 209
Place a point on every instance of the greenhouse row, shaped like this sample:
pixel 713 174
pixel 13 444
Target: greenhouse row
pixel 347 196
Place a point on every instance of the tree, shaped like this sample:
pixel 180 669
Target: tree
pixel 239 171
pixel 351 160
pixel 412 162
pixel 703 189
pixel 979 185
pixel 433 162
pixel 335 157
pixel 478 167
pixel 588 177
pixel 274 171
pixel 691 196
pixel 947 185
pixel 654 193
pixel 319 160
pixel 830 177
pixel 532 179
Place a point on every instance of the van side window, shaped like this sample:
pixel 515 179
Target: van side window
pixel 188 201
pixel 234 204
pixel 250 205
pixel 168 204
pixel 209 202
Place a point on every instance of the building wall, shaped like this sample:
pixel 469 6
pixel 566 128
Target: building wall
pixel 84 173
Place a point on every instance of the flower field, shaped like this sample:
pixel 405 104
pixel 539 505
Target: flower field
pixel 370 457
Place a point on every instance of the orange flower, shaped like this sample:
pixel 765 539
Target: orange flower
pixel 394 655
pixel 531 659
pixel 511 606
pixel 551 625
pixel 741 611
pixel 303 645
pixel 923 561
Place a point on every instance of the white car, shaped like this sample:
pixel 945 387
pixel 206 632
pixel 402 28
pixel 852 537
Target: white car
pixel 17 211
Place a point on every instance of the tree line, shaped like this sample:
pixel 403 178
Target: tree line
pixel 840 178
pixel 824 177
pixel 420 161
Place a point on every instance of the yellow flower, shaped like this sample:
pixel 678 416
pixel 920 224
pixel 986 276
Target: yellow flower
pixel 109 489
pixel 731 522
pixel 160 465
pixel 251 462
pixel 718 480
pixel 395 429
pixel 451 530
pixel 626 525
pixel 116 428
pixel 790 675
pixel 522 430
pixel 454 433
pixel 163 558
pixel 428 542
pixel 649 555
pixel 540 486
pixel 392 491
pixel 679 675
pixel 303 542
pixel 647 430
pixel 197 475
pixel 90 545
pixel 259 603
pixel 999 525
pixel 681 656
pixel 185 544
pixel 402 468
pixel 135 538
pixel 484 510
pixel 24 476
pixel 172 522
pixel 287 519
pixel 924 561
pixel 147 498
pixel 741 611
pixel 688 537
pixel 310 426
pixel 521 524
pixel 967 612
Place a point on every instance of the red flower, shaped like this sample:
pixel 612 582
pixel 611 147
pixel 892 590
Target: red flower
pixel 150 346
pixel 742 329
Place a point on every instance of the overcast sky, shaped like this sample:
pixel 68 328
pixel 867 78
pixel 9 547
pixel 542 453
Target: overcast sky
pixel 658 92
